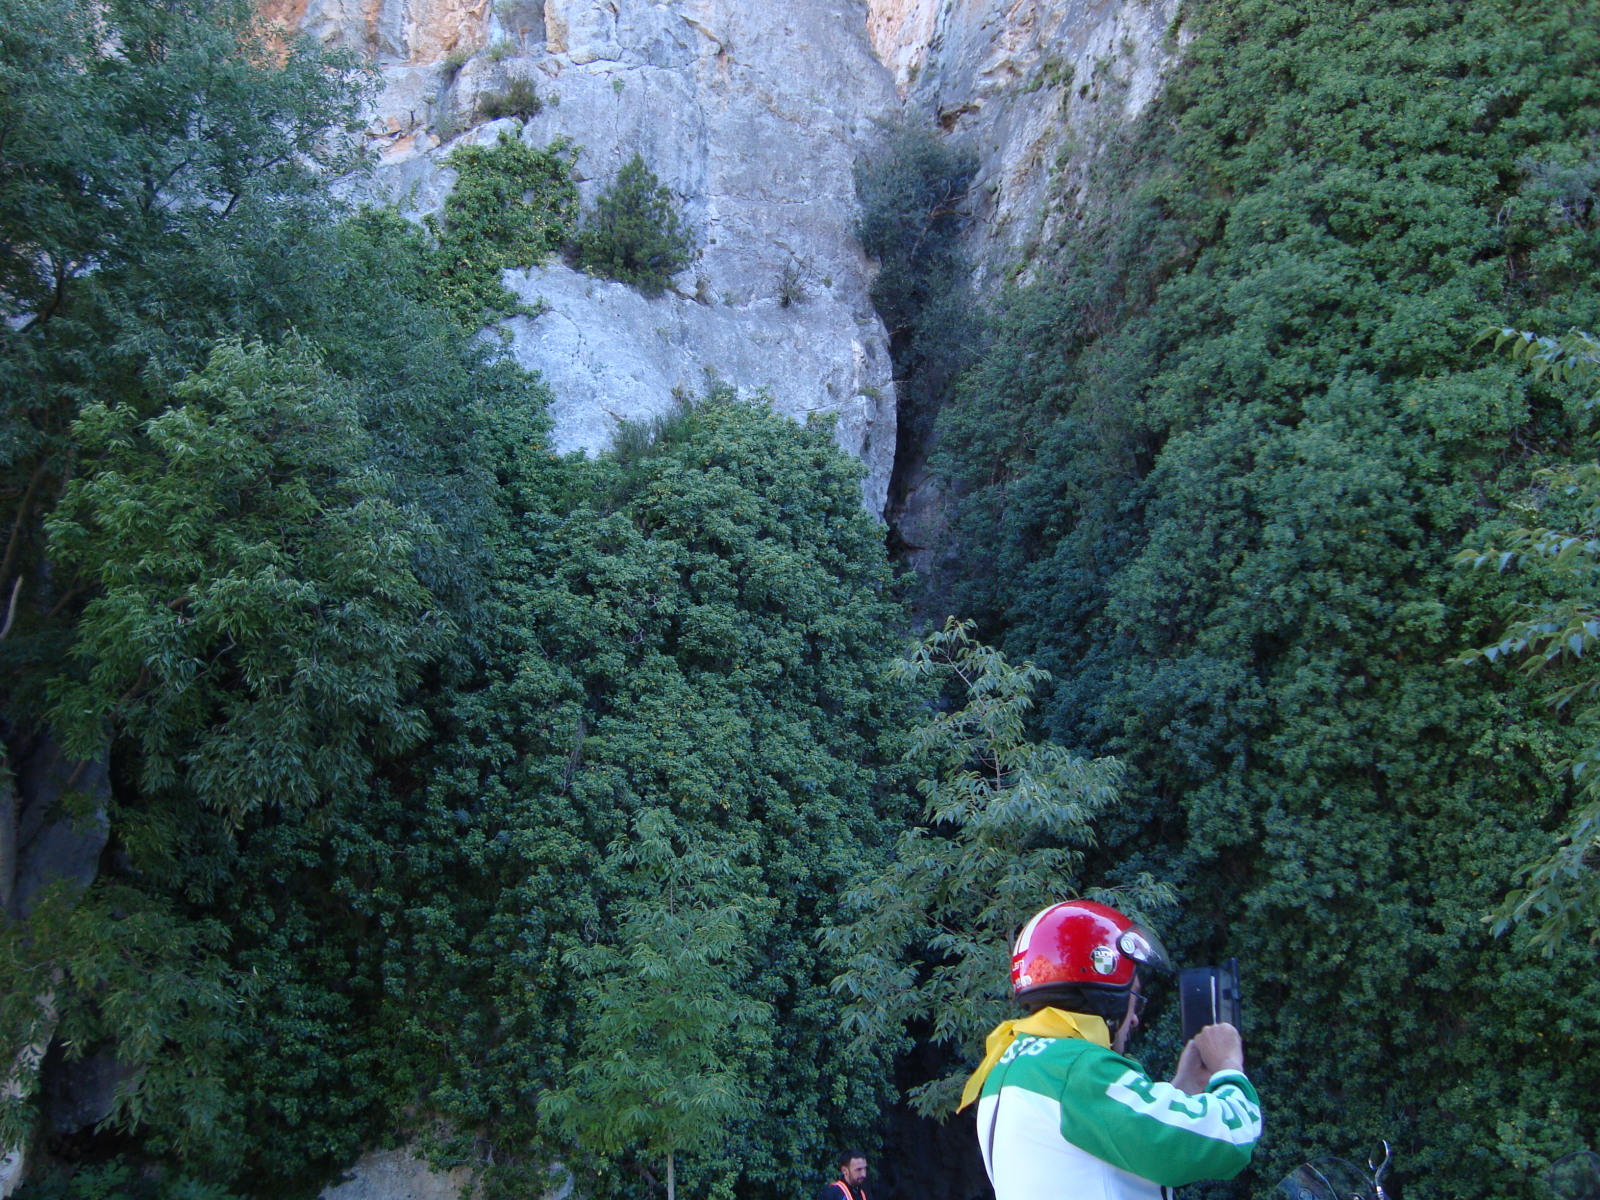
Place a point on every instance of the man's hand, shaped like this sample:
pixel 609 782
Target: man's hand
pixel 1191 1075
pixel 1215 1048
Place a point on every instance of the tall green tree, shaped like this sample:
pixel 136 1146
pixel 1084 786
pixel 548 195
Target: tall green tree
pixel 254 626
pixel 132 129
pixel 701 622
pixel 254 637
pixel 227 410
pixel 1007 822
pixel 668 1061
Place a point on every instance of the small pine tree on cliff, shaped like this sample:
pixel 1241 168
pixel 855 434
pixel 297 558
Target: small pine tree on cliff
pixel 635 235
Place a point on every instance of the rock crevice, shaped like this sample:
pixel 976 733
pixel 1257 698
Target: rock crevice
pixel 1032 87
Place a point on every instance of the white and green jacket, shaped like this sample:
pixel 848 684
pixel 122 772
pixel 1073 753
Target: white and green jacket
pixel 1061 1118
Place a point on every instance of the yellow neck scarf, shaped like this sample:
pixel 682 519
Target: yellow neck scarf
pixel 1047 1022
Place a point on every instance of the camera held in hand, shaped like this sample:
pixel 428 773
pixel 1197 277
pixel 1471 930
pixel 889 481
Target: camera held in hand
pixel 1210 996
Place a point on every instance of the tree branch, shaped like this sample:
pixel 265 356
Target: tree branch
pixel 11 608
pixel 24 508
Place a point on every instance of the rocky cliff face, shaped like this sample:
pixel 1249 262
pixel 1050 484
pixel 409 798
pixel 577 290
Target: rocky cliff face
pixel 1033 87
pixel 750 113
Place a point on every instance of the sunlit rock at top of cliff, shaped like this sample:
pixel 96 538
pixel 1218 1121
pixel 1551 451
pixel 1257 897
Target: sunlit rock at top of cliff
pixel 411 31
pixel 751 114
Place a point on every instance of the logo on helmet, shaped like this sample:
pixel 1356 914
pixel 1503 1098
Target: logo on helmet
pixel 1103 959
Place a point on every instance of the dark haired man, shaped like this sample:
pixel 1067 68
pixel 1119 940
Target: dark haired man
pixel 852 1181
pixel 1063 1114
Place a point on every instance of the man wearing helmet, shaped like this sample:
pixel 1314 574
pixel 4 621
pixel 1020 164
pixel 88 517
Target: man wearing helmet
pixel 1062 1114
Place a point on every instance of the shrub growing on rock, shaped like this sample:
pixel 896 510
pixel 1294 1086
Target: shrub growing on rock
pixel 635 234
pixel 512 206
pixel 519 98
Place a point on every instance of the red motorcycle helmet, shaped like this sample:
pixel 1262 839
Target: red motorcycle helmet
pixel 1080 945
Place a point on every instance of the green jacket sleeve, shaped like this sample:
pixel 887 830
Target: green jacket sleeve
pixel 1116 1112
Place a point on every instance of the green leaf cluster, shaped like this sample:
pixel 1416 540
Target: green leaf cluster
pixel 690 666
pixel 511 206
pixel 1007 821
pixel 1559 893
pixel 671 1049
pixel 255 626
pixel 164 999
pixel 245 503
pixel 117 1181
pixel 635 234
pixel 461 795
pixel 914 192
pixel 1212 471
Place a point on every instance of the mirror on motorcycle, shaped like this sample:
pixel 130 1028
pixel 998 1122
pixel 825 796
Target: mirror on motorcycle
pixel 1575 1177
pixel 1329 1179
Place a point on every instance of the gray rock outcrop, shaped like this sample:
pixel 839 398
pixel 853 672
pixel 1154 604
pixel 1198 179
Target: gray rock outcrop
pixel 403 1175
pixel 398 1175
pixel 750 113
pixel 53 823
pixel 1033 87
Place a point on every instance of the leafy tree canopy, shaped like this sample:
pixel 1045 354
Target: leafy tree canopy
pixel 672 1050
pixel 253 609
pixel 692 647
pixel 1559 892
pixel 1007 823
pixel 1212 472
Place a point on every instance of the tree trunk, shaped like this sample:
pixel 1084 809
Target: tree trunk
pixel 9 811
pixel 672 1182
pixel 21 1082
pixel 42 842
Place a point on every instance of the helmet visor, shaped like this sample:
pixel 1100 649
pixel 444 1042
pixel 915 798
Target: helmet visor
pixel 1145 948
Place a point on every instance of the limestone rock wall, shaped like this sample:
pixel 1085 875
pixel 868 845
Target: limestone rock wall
pixel 1032 86
pixel 751 113
pixel 398 1175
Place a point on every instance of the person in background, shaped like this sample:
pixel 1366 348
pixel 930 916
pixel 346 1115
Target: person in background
pixel 852 1181
pixel 1063 1114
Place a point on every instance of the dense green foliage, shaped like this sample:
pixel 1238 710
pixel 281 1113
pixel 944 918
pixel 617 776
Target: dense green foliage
pixel 459 793
pixel 670 1047
pixel 466 795
pixel 1560 892
pixel 217 572
pixel 1007 823
pixel 635 235
pixel 253 609
pixel 913 191
pixel 163 195
pixel 1214 468
pixel 512 206
pixel 116 1181
pixel 114 163
pixel 692 644
pixel 519 98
